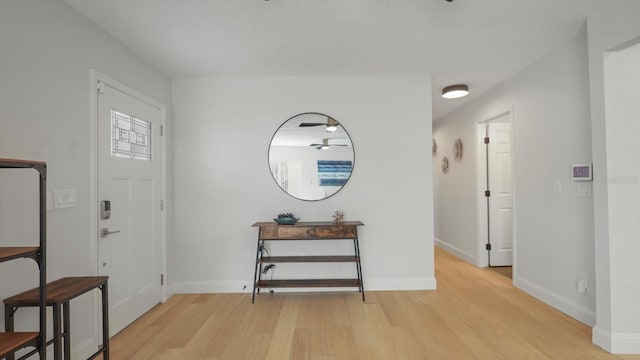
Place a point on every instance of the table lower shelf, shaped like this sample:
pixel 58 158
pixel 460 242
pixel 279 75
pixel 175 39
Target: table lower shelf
pixel 13 341
pixel 308 259
pixel 308 283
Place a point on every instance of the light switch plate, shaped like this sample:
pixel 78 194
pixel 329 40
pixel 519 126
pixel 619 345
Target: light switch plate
pixel 557 188
pixel 63 199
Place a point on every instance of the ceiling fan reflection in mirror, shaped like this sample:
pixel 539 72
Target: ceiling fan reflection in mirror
pixel 331 124
pixel 325 145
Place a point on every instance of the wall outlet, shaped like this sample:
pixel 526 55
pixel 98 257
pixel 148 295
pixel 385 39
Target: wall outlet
pixel 582 284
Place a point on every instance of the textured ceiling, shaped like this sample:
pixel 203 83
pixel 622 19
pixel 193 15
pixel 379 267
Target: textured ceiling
pixel 478 42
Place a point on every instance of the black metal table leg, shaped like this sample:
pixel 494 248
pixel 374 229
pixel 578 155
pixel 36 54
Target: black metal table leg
pixel 358 263
pixel 256 272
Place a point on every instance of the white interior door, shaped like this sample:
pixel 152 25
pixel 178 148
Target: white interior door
pixel 129 177
pixel 501 199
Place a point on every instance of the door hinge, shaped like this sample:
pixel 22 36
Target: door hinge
pixel 161 204
pixel 100 87
pixel 161 279
pixel 488 247
pixel 486 140
pixel 161 130
pixel 487 193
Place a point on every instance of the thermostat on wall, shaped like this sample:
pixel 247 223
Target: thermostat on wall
pixel 581 172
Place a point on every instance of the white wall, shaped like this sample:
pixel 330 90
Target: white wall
pixel 223 182
pixel 46 51
pixel 455 192
pixel 553 234
pixel 610 30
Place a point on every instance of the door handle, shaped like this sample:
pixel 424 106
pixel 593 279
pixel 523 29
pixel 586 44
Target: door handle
pixel 104 232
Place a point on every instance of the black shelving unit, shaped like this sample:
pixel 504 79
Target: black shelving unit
pixel 11 341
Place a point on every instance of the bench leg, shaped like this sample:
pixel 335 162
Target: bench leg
pixel 9 311
pixel 105 321
pixel 57 333
pixel 66 330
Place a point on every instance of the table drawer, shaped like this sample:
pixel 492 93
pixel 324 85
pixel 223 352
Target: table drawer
pixel 316 232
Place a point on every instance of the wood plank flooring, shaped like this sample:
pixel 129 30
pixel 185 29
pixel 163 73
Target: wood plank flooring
pixel 503 270
pixel 474 314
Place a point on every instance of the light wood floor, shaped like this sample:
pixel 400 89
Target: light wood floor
pixel 503 270
pixel 474 314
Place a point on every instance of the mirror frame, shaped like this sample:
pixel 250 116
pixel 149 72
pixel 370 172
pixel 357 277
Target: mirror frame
pixel 353 150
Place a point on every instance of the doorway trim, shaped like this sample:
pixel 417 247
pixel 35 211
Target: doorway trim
pixel 482 259
pixel 95 77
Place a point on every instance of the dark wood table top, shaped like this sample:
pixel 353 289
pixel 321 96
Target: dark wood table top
pixel 59 291
pixel 308 223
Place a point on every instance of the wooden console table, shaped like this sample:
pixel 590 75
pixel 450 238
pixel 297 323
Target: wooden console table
pixel 59 293
pixel 271 231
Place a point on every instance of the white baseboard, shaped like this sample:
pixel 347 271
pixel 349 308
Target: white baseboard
pixel 616 343
pixel 204 287
pixel 601 337
pixel 569 307
pixel 428 283
pixel 470 258
pixel 199 287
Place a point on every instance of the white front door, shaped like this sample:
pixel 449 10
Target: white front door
pixel 501 197
pixel 129 183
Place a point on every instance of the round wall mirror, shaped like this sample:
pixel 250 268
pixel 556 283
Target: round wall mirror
pixel 311 156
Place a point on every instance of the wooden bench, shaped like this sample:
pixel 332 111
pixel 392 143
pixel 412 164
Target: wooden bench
pixel 59 293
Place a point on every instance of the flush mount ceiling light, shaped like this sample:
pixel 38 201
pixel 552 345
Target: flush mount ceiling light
pixel 455 91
